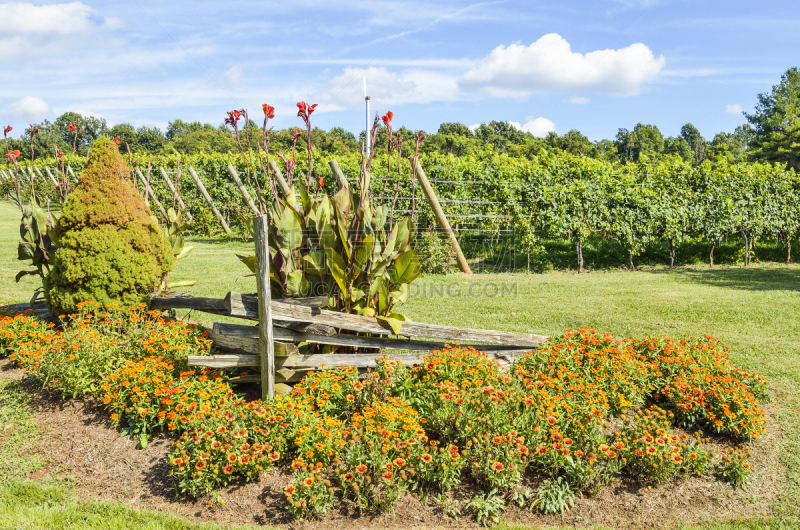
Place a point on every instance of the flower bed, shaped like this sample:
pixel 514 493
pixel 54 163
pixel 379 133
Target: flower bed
pixel 572 416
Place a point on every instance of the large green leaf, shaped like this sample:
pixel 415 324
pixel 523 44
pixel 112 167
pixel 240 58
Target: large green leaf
pixel 363 254
pixel 406 267
pixel 296 284
pixel 291 229
pixel 336 266
pixel 314 263
pixel 392 323
pixel 250 262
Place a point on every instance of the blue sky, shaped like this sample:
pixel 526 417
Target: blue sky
pixel 591 65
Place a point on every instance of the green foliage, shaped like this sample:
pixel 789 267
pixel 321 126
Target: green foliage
pixel 36 247
pixel 777 122
pixel 486 507
pixel 436 254
pixel 734 466
pixel 554 496
pixel 109 247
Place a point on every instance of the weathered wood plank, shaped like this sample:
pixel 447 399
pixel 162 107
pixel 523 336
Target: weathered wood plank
pixel 184 301
pixel 267 348
pixel 225 361
pixel 244 379
pixel 355 341
pixel 250 344
pixel 282 389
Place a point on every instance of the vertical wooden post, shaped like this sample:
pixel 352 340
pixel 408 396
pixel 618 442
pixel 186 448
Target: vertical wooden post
pixel 174 193
pixel 444 224
pixel 210 202
pixel 287 191
pixel 266 347
pixel 242 189
pixel 3 173
pixel 337 172
pixel 149 192
pixel 69 169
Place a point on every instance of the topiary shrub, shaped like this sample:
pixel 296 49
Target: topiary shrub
pixel 109 246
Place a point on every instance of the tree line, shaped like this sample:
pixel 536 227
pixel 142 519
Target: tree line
pixel 771 134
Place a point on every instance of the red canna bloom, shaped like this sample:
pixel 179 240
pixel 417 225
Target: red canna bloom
pixel 305 110
pixel 297 134
pixel 72 127
pixel 269 111
pixel 387 119
pixel 321 182
pixel 116 141
pixel 7 129
pixel 13 154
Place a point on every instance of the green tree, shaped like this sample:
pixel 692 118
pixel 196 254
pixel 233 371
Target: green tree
pixel 572 142
pixel 777 122
pixel 696 142
pixel 679 147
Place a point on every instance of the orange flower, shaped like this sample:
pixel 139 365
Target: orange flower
pixel 497 466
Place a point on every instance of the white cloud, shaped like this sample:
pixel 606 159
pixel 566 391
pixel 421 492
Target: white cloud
pixel 232 76
pixel 578 100
pixel 733 109
pixel 550 65
pixel 29 109
pixel 474 128
pixel 76 17
pixel 386 88
pixel 539 127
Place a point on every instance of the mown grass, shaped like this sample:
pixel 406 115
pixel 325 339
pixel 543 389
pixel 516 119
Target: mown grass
pixel 753 310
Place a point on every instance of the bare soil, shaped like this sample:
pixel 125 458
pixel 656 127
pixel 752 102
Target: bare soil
pixel 80 443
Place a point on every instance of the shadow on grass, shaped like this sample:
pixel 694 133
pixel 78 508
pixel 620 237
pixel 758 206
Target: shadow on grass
pixel 750 279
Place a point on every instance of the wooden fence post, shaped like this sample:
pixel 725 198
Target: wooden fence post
pixel 149 192
pixel 287 191
pixel 266 347
pixel 47 170
pixel 174 193
pixel 210 202
pixel 444 224
pixel 242 189
pixel 69 169
pixel 337 172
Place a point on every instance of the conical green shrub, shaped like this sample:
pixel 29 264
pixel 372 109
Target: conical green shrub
pixel 109 247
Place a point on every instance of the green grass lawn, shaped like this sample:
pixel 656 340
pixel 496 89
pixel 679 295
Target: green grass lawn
pixel 755 311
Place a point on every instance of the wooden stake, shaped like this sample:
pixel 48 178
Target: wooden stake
pixel 151 194
pixel 69 169
pixel 337 172
pixel 210 202
pixel 266 347
pixel 287 191
pixel 174 193
pixel 444 224
pixel 242 189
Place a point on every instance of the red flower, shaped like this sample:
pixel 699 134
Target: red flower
pixel 7 129
pixel 116 141
pixel 297 134
pixel 72 127
pixel 321 182
pixel 269 111
pixel 13 154
pixel 387 119
pixel 305 110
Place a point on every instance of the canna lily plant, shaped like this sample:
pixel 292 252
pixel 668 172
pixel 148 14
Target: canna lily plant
pixel 343 246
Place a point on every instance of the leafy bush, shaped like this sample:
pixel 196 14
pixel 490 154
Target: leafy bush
pixel 554 496
pixel 109 246
pixel 486 507
pixel 436 255
pixel 734 467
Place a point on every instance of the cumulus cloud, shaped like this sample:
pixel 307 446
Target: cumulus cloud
pixel 232 76
pixel 76 17
pixel 733 109
pixel 29 109
pixel 539 127
pixel 578 100
pixel 549 64
pixel 386 88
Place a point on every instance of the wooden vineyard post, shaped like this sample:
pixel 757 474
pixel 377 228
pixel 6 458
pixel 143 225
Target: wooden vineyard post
pixel 174 193
pixel 243 190
pixel 337 172
pixel 266 347
pixel 47 170
pixel 208 199
pixel 444 224
pixel 69 169
pixel 149 192
pixel 287 191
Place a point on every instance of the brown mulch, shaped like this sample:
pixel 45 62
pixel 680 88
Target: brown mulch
pixel 81 443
